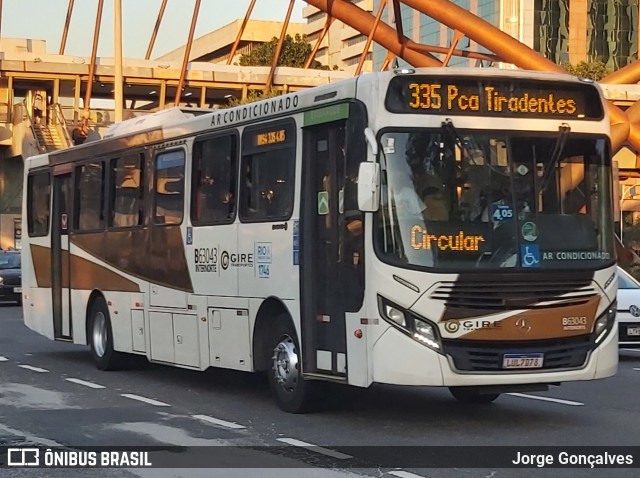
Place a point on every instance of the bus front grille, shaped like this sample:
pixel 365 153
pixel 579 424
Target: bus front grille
pixel 476 356
pixel 494 295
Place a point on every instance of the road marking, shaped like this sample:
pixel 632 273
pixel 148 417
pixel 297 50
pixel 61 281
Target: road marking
pixel 3 359
pixel 636 369
pixel 315 448
pixel 150 401
pixel 404 474
pixel 34 369
pixel 216 421
pixel 547 399
pixel 82 382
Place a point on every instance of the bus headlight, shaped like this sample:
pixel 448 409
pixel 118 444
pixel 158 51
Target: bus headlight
pixel 605 323
pixel 395 315
pixel 426 334
pixel 392 313
pixel 419 329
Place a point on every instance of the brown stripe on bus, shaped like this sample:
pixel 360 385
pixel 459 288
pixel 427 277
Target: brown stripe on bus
pixel 155 254
pixel 538 324
pixel 85 274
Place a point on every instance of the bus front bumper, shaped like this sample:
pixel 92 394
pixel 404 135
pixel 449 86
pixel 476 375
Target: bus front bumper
pixel 399 360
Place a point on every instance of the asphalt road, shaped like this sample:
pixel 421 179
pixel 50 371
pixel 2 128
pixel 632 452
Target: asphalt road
pixel 51 394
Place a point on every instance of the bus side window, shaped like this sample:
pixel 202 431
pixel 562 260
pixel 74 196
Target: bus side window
pixel 213 190
pixel 169 187
pixel 268 186
pixel 39 193
pixel 127 189
pixel 90 212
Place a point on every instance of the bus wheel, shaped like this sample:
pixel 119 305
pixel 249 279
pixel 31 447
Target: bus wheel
pixel 291 391
pixel 472 395
pixel 101 337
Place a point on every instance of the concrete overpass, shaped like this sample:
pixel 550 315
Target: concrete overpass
pixel 27 68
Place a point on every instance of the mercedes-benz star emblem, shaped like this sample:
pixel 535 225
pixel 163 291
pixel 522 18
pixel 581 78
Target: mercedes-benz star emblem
pixel 523 325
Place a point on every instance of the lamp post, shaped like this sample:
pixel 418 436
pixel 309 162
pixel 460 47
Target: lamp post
pixel 632 191
pixel 119 80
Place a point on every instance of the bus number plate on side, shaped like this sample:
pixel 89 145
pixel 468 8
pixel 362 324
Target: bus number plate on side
pixel 522 360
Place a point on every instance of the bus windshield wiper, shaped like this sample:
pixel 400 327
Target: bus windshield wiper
pixel 453 132
pixel 564 131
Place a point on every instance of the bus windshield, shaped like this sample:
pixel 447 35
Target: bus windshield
pixel 457 200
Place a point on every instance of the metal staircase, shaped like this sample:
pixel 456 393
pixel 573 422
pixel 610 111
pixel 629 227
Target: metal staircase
pixel 48 137
pixel 51 134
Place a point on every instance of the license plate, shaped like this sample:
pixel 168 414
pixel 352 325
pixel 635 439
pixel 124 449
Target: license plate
pixel 17 290
pixel 633 331
pixel 522 360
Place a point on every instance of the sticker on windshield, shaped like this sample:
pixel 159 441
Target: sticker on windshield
pixel 529 231
pixel 530 255
pixel 502 212
pixel 390 147
pixel 577 256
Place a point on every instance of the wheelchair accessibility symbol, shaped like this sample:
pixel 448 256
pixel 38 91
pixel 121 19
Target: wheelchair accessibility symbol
pixel 530 255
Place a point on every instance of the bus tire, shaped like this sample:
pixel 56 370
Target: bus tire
pixel 472 395
pixel 101 337
pixel 291 391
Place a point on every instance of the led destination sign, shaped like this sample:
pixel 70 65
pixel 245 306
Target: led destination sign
pixel 493 97
pixel 271 137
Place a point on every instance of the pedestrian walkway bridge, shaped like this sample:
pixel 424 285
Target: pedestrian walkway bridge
pixel 149 85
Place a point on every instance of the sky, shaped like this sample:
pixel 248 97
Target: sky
pixel 44 20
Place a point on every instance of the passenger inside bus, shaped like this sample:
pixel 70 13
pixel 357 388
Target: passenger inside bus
pixel 436 204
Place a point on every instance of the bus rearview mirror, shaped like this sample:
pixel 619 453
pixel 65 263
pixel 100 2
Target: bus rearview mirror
pixel 369 187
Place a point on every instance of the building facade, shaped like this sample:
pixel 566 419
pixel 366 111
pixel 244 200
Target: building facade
pixel 342 46
pixel 562 30
pixel 215 46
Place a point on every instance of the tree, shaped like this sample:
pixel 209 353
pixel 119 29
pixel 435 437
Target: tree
pixel 253 95
pixel 596 70
pixel 295 52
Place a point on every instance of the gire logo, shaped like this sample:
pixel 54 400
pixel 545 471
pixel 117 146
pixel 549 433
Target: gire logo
pixel 235 260
pixel 452 326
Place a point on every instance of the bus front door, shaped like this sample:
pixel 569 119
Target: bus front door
pixel 60 258
pixel 323 311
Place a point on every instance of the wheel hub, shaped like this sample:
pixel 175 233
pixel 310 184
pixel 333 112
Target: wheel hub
pixel 99 334
pixel 285 364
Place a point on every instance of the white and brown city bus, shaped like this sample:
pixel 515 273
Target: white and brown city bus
pixel 432 227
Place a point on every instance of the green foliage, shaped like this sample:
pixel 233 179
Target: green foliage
pixel 253 95
pixel 596 70
pixel 294 53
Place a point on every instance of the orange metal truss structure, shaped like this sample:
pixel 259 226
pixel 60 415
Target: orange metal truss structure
pixel 503 47
pixel 625 124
